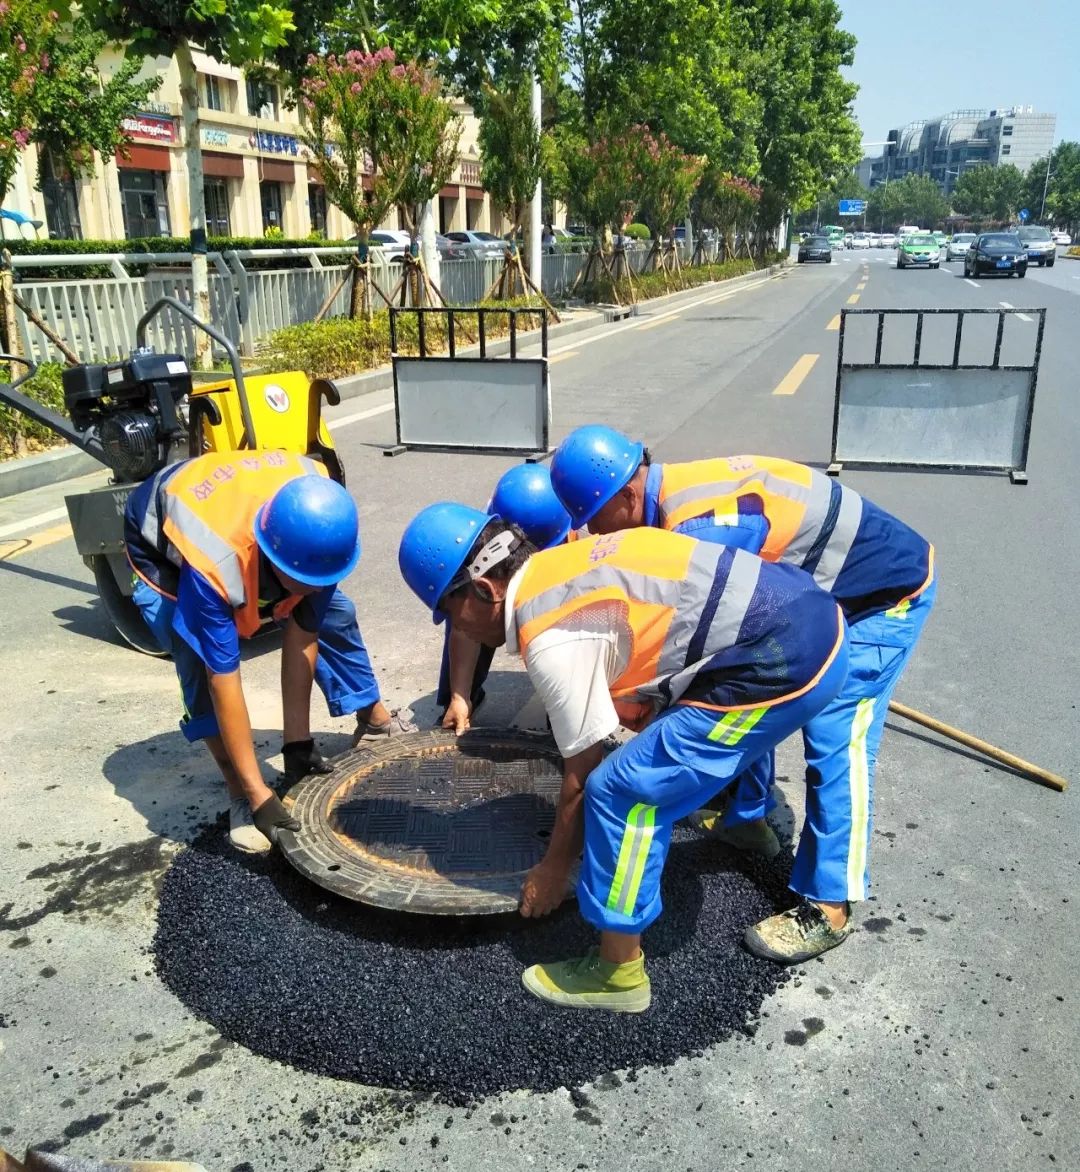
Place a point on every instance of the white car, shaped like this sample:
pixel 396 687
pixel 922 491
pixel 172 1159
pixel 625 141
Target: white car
pixel 860 240
pixel 957 247
pixel 888 240
pixel 1061 237
pixel 847 239
pixel 479 243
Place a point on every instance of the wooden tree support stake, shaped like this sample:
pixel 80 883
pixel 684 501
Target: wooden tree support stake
pixel 1043 776
pixel 70 356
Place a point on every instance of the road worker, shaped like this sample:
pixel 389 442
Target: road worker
pixel 524 496
pixel 220 543
pixel 879 570
pixel 713 654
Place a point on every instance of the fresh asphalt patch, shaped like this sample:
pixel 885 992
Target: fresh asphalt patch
pixel 435 1004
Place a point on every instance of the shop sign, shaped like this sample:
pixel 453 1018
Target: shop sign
pixel 151 127
pixel 275 144
pixel 215 138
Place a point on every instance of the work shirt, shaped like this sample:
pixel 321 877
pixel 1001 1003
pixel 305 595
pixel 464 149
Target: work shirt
pixel 867 559
pixel 615 628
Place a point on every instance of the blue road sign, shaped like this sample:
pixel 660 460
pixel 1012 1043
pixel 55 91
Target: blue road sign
pixel 1025 215
pixel 852 207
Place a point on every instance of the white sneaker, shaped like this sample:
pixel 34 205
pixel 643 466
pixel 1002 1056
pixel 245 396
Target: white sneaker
pixel 243 834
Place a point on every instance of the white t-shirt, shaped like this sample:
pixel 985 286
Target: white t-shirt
pixel 572 668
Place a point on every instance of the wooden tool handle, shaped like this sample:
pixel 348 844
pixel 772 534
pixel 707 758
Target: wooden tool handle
pixel 1045 777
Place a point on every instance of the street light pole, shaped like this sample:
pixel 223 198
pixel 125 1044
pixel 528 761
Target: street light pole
pixel 1046 184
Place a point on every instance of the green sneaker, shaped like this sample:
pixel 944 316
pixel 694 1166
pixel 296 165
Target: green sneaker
pixel 798 934
pixel 588 982
pixel 756 836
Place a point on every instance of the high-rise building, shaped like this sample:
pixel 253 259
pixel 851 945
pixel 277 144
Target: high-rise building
pixel 945 147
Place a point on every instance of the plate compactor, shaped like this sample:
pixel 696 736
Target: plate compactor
pixel 144 412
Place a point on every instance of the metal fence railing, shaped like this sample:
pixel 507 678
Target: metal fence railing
pixel 96 316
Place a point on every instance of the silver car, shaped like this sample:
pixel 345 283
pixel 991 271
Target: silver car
pixel 479 243
pixel 957 247
pixel 1041 249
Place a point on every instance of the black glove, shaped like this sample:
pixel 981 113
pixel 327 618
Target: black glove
pixel 302 759
pixel 271 817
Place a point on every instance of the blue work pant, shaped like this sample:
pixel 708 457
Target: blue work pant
pixel 684 758
pixel 832 862
pixel 343 669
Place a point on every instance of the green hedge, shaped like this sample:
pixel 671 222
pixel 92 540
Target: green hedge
pixel 20 436
pixel 659 284
pixel 637 232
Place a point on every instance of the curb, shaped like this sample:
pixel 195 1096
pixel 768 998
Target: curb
pixel 67 463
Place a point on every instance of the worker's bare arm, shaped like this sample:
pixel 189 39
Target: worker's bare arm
pixel 464 655
pixel 299 651
pixel 545 885
pixel 230 707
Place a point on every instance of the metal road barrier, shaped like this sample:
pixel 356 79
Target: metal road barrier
pixel 967 409
pixel 471 400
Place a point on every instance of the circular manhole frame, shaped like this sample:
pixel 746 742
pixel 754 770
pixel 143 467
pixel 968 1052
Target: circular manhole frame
pixel 350 868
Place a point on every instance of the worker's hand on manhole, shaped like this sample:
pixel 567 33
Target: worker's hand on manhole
pixel 544 888
pixel 456 715
pixel 272 816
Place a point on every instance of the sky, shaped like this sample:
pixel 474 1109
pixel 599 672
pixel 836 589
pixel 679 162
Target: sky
pixel 923 58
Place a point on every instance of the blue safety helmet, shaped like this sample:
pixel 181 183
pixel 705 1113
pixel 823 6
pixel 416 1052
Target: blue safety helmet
pixel 524 496
pixel 434 547
pixel 309 529
pixel 590 466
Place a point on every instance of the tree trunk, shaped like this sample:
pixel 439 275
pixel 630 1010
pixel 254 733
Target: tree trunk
pixel 200 280
pixel 360 294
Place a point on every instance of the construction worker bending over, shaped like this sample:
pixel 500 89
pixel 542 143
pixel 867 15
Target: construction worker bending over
pixel 714 654
pixel 879 570
pixel 524 496
pixel 220 543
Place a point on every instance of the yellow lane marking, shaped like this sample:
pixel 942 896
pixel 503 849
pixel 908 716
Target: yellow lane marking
pixel 860 287
pixel 664 321
pixel 853 299
pixel 834 324
pixel 565 354
pixel 14 547
pixel 791 381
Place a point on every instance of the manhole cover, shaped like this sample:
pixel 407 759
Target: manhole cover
pixel 429 822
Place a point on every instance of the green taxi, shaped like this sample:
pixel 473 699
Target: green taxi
pixel 918 248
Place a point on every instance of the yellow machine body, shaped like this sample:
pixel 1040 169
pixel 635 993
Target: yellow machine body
pixel 286 411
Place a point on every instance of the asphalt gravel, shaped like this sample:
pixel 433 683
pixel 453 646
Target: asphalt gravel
pixel 428 1005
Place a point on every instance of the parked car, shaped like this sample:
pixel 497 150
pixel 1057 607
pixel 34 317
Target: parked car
pixel 391 243
pixel 847 239
pixel 859 240
pixel 957 247
pixel 918 248
pixel 479 243
pixel 816 248
pixel 1000 253
pixel 1061 237
pixel 1041 249
pixel 450 249
pixel 887 240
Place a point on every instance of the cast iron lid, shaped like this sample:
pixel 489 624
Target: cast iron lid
pixel 429 822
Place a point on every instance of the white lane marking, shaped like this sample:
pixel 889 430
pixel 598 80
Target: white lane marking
pixel 1021 316
pixel 969 281
pixel 31 522
pixel 370 413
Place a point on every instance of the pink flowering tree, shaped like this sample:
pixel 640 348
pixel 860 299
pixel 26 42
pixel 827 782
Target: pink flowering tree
pixel 384 137
pixel 724 201
pixel 669 177
pixel 53 95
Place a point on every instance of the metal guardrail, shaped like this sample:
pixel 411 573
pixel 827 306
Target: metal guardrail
pixel 97 316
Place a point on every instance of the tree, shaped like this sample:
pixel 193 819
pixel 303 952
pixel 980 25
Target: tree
pixel 915 199
pixel 806 136
pixel 240 32
pixel 510 149
pixel 724 201
pixel 55 96
pixel 384 136
pixel 989 193
pixel 669 178
pixel 1059 177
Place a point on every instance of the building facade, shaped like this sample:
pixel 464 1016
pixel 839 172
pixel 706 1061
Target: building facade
pixel 258 173
pixel 943 148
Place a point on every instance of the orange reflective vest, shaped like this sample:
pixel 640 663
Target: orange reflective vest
pixel 813 520
pixel 684 603
pixel 202 512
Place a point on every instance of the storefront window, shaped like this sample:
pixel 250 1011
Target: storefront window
pixel 144 202
pixel 216 193
pixel 262 100
pixel 61 202
pixel 270 195
pixel 316 198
